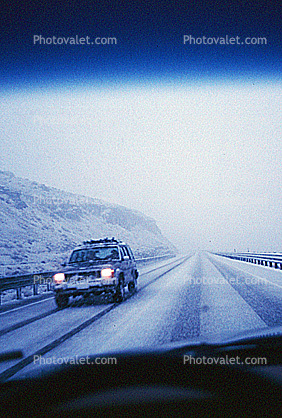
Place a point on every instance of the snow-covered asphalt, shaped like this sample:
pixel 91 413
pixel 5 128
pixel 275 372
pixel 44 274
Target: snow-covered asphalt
pixel 176 300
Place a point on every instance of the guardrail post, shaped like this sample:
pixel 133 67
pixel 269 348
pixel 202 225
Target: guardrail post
pixel 19 293
pixel 35 289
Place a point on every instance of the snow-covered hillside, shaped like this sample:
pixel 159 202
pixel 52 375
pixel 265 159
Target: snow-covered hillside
pixel 40 225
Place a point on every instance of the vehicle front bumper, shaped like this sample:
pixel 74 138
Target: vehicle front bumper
pixel 97 287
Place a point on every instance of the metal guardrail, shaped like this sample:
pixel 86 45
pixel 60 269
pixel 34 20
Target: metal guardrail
pixel 21 281
pixel 157 257
pixel 263 259
pixel 45 278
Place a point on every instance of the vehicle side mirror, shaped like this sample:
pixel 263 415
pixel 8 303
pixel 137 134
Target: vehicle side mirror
pixel 64 264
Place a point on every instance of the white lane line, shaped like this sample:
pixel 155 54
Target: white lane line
pixel 25 306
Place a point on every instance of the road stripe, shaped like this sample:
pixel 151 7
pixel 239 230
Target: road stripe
pixel 8 373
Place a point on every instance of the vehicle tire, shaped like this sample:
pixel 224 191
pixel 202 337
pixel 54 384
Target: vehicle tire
pixel 119 294
pixel 132 286
pixel 61 300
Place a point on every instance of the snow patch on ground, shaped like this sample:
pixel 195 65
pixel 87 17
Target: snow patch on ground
pixel 40 226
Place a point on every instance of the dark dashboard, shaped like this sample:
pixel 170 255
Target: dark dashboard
pixel 157 383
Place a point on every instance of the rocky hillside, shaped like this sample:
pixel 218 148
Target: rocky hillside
pixel 40 225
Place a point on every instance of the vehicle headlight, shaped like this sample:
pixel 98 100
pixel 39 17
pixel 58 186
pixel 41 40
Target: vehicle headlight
pixel 59 278
pixel 107 273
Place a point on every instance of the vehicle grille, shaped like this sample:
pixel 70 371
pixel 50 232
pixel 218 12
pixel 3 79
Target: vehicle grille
pixel 81 276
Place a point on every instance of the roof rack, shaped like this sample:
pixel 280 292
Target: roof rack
pixel 101 241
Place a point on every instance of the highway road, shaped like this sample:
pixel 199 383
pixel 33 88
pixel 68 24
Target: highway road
pixel 178 299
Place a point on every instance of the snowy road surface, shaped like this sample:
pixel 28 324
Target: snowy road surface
pixel 195 296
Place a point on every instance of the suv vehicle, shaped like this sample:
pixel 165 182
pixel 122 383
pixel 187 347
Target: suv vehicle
pixel 97 267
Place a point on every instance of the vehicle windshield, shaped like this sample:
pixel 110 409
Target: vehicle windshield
pixel 96 254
